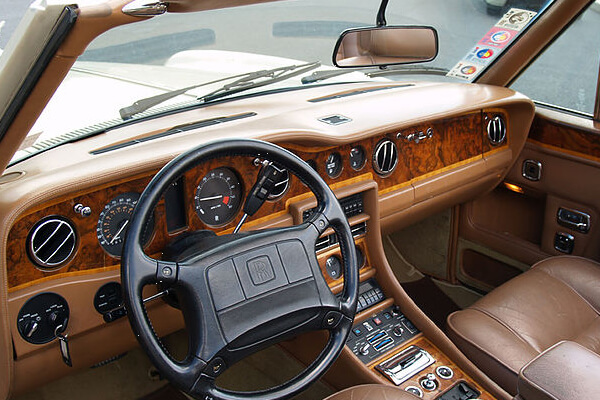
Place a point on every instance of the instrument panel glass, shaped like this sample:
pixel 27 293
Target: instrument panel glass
pixel 218 197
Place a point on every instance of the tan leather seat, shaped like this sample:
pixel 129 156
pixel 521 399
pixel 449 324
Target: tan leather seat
pixel 558 299
pixel 372 392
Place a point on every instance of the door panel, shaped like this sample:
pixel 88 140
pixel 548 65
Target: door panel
pixel 515 225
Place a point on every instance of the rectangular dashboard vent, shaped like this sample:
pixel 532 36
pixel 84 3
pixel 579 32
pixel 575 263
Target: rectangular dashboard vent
pixel 352 205
pixel 175 130
pixel 331 240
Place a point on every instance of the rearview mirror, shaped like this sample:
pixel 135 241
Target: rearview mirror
pixel 385 45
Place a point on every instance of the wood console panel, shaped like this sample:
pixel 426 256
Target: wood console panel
pixel 440 359
pixel 562 137
pixel 454 140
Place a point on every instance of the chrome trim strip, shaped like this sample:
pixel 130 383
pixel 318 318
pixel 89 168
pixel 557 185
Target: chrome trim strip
pixel 144 8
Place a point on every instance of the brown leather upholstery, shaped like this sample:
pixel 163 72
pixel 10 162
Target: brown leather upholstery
pixel 372 392
pixel 558 299
pixel 566 371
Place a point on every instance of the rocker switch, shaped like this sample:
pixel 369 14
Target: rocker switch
pixel 564 242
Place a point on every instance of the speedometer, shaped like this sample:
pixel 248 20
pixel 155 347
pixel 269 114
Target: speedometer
pixel 218 197
pixel 114 222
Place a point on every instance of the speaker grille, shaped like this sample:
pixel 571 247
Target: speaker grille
pixel 51 242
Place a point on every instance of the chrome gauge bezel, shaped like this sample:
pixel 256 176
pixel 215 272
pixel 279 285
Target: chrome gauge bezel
pixel 235 193
pixel 123 204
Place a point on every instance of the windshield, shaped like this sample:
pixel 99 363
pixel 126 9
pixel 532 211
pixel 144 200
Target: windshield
pixel 173 51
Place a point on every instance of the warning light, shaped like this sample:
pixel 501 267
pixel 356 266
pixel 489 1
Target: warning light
pixel 225 200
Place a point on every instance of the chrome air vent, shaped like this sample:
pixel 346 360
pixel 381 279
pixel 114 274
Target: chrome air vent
pixel 385 157
pixel 51 242
pixel 496 130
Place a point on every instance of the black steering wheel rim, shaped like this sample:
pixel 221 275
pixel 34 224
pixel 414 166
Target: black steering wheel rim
pixel 138 270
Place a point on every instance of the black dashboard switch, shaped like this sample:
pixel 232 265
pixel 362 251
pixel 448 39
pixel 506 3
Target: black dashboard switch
pixel 564 242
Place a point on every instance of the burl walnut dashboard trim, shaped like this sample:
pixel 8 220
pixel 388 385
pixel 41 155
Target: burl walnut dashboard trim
pixel 454 142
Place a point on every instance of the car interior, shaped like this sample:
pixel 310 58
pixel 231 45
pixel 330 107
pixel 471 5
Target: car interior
pixel 351 240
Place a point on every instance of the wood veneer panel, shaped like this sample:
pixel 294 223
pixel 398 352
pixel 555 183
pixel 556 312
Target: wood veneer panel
pixel 322 258
pixel 582 142
pixel 454 140
pixel 440 359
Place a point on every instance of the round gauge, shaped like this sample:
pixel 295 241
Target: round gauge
pixel 334 166
pixel 218 197
pixel 357 158
pixel 281 186
pixel 333 266
pixel 114 222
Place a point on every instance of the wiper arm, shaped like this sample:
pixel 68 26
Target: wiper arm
pixel 318 76
pixel 245 81
pixel 253 80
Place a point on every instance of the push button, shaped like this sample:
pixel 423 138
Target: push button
pixel 377 321
pixel 358 331
pixel 444 372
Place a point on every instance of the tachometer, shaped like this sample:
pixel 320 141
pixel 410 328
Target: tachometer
pixel 114 221
pixel 218 197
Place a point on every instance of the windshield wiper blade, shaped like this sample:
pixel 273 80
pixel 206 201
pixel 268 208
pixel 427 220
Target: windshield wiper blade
pixel 253 80
pixel 244 81
pixel 371 72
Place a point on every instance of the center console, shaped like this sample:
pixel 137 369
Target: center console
pixel 387 343
pixel 391 346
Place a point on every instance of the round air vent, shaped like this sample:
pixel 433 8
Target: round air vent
pixel 496 130
pixel 385 157
pixel 51 242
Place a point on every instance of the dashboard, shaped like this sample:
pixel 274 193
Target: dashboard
pixel 86 231
pixel 416 155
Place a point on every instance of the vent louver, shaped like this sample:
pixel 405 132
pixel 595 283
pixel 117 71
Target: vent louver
pixel 51 242
pixel 496 130
pixel 385 157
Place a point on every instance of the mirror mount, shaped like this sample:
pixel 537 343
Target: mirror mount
pixel 381 13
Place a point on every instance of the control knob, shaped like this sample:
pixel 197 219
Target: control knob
pixel 429 382
pixel 397 331
pixel 364 350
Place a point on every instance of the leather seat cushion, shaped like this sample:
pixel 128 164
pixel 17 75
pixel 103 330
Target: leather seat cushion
pixel 558 299
pixel 372 392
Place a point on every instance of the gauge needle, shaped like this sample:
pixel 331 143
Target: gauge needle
pixel 119 232
pixel 211 198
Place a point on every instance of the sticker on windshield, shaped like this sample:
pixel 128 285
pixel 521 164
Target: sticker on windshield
pixel 481 54
pixel 465 70
pixel 492 44
pixel 498 37
pixel 516 19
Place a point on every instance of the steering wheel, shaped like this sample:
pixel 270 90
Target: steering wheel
pixel 240 293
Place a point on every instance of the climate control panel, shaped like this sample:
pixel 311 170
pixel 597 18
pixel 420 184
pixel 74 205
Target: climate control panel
pixel 379 334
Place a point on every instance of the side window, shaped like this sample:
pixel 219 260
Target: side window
pixel 566 74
